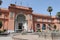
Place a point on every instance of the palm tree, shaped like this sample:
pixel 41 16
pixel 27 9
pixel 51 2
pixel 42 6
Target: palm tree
pixel 0 2
pixel 49 10
pixel 58 14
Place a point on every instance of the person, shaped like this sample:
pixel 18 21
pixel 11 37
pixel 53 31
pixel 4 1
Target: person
pixel 31 29
pixel 22 28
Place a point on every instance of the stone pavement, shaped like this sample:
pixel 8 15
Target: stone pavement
pixel 37 36
pixel 6 38
pixel 30 36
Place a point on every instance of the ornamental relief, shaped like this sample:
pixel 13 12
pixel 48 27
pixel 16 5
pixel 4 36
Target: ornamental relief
pixel 11 14
pixel 29 16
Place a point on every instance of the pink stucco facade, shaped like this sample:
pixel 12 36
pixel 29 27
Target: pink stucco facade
pixel 10 18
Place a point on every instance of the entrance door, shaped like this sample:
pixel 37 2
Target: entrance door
pixel 20 23
pixel 20 26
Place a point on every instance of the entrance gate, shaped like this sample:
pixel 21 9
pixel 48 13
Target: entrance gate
pixel 20 23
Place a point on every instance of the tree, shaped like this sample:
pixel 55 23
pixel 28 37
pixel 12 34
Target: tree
pixel 0 13
pixel 0 2
pixel 49 10
pixel 0 24
pixel 58 14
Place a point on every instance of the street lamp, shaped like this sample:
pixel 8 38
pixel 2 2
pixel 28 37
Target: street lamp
pixel 49 10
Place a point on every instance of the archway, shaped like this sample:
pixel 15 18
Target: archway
pixel 20 23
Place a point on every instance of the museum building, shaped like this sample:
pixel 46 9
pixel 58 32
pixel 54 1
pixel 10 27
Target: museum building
pixel 19 18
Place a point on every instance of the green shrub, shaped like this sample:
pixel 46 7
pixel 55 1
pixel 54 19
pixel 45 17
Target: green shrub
pixel 4 30
pixel 39 30
pixel 1 31
pixel 0 24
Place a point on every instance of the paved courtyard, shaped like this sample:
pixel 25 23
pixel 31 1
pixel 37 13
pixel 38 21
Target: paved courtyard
pixel 31 36
pixel 6 38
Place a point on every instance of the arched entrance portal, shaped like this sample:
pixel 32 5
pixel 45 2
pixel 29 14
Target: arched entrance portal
pixel 20 23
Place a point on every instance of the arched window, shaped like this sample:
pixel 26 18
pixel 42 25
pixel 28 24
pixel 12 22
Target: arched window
pixel 38 27
pixel 43 27
pixel 21 18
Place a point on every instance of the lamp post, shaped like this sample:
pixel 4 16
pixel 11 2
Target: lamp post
pixel 50 10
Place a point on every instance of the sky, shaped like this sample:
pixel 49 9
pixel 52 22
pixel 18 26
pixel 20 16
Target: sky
pixel 38 6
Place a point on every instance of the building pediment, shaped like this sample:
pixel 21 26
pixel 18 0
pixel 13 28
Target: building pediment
pixel 20 7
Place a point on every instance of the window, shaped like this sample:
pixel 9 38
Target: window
pixel 49 20
pixel 38 25
pixel 38 18
pixel 38 28
pixel 21 17
pixel 43 27
pixel 44 20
